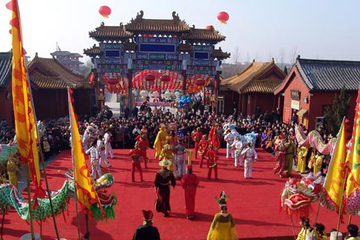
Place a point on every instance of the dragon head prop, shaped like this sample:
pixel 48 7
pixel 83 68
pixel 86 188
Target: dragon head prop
pixel 297 196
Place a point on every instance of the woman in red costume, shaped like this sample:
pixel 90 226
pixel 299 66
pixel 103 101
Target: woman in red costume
pixel 280 153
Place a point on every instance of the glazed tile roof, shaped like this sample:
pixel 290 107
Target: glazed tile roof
pixel 329 75
pixel 110 32
pixel 248 80
pixel 49 73
pixel 93 51
pixel 203 34
pixel 5 68
pixel 139 24
pixel 262 86
pixel 218 53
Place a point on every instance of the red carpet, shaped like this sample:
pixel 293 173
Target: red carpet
pixel 254 203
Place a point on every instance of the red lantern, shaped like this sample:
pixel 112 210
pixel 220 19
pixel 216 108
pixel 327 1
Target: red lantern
pixel 150 78
pixel 223 17
pixel 105 11
pixel 200 82
pixel 113 81
pixel 209 27
pixel 165 78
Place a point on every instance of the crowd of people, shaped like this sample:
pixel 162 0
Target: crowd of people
pixel 172 135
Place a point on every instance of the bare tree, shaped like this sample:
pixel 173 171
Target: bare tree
pixel 293 55
pixel 280 59
pixel 236 55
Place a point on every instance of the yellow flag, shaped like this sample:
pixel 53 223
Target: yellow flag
pixel 353 180
pixel 335 178
pixel 25 125
pixel 86 193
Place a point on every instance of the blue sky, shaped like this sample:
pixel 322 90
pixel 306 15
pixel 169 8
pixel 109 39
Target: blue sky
pixel 260 29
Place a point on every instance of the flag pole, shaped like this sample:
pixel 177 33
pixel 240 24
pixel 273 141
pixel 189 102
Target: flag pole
pixel 340 208
pixel 292 226
pixel 73 165
pixel 30 210
pixel 41 156
pixel 2 223
pixel 317 213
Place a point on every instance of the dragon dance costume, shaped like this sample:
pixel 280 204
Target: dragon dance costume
pixel 238 146
pixel 94 160
pixel 107 142
pixel 229 139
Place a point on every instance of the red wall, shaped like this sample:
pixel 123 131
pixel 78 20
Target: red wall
pixel 321 99
pixel 295 83
pixel 317 100
pixel 229 97
pixel 6 106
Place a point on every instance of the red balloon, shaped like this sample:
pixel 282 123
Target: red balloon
pixel 223 17
pixel 209 27
pixel 105 11
pixel 165 78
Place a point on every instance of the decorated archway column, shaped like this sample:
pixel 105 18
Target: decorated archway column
pixel 217 85
pixel 183 73
pixel 130 88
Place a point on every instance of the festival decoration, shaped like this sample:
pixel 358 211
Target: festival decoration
pixel 200 82
pixel 140 82
pixel 116 83
pixel 150 78
pixel 105 11
pixel 314 140
pixel 177 94
pixel 184 101
pixel 144 93
pixel 223 17
pixel 167 94
pixel 335 178
pixel 165 78
pixel 24 118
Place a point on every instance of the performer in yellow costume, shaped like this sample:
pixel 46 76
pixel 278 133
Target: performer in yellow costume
pixel 12 170
pixel 223 225
pixel 318 163
pixel 306 229
pixel 301 163
pixel 160 141
pixel 167 151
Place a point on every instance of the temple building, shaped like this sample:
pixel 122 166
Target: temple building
pixel 68 59
pixel 312 85
pixel 251 90
pixel 49 81
pixel 156 53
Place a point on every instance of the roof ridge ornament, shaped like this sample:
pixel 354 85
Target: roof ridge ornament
pixel 140 15
pixel 175 16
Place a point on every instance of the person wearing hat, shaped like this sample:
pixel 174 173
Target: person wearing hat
pixel 147 231
pixel 160 141
pixel 212 157
pixel 190 182
pixel 167 152
pixel 196 136
pixel 203 147
pixel 353 232
pixel 223 224
pixel 319 232
pixel 107 142
pixel 250 156
pixel 135 155
pixel 164 178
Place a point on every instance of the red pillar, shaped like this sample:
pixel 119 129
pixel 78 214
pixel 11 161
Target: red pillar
pixel 183 73
pixel 130 94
